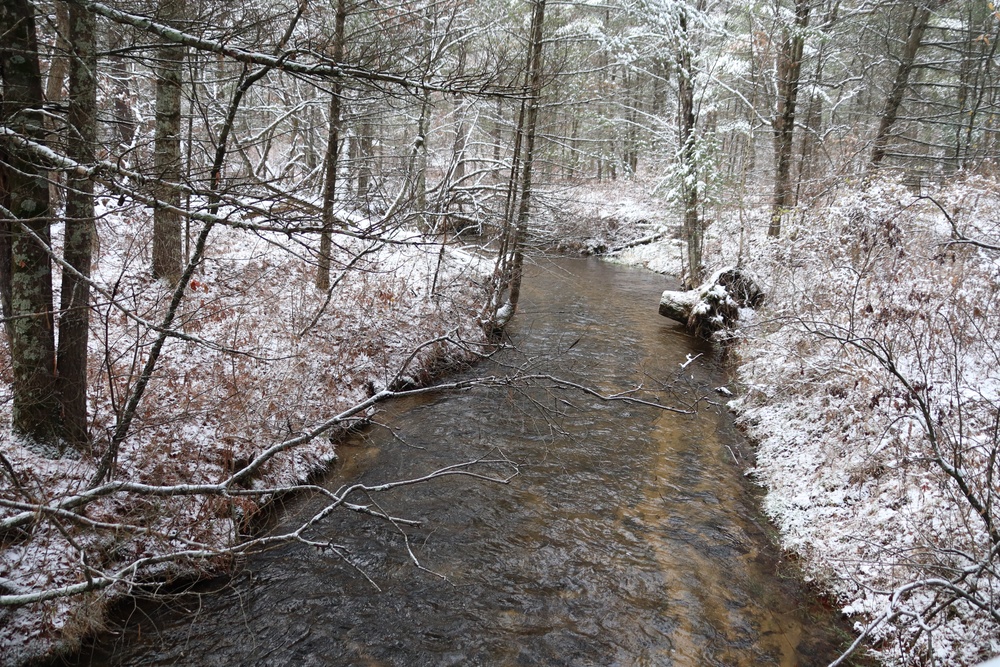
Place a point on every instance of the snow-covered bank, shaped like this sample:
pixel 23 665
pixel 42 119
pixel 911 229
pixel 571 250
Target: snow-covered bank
pixel 872 390
pixel 871 385
pixel 266 357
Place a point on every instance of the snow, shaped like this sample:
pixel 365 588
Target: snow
pixel 842 448
pixel 209 411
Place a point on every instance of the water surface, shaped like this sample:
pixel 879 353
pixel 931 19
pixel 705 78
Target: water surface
pixel 629 537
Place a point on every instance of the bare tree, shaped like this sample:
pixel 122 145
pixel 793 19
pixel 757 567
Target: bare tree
pixel 693 232
pixel 332 159
pixel 74 319
pixel 167 226
pixel 789 69
pixel 528 129
pixel 919 19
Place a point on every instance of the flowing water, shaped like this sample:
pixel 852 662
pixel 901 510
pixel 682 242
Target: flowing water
pixel 629 537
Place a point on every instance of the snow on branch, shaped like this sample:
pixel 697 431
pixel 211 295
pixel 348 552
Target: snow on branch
pixel 101 172
pixel 293 61
pixel 491 469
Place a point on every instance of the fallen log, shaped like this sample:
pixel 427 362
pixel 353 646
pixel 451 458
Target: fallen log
pixel 715 304
pixel 645 240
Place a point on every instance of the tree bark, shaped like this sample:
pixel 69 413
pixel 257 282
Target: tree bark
pixel 458 150
pixel 54 83
pixel 29 272
pixel 61 53
pixel 74 320
pixel 123 125
pixel 534 76
pixel 714 305
pixel 498 136
pixel 167 227
pixel 789 69
pixel 364 170
pixel 918 24
pixel 813 121
pixel 332 156
pixel 418 165
pixel 693 231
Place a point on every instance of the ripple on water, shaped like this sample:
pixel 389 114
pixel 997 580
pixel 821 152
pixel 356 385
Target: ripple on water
pixel 627 539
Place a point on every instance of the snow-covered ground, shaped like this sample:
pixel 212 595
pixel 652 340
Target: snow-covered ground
pixel 870 382
pixel 269 357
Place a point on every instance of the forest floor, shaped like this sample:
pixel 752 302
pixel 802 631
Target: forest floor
pixel 870 384
pixel 273 358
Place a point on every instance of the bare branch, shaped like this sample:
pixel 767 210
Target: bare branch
pixel 306 63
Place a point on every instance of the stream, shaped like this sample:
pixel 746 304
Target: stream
pixel 629 537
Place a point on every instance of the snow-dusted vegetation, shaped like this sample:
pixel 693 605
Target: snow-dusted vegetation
pixel 227 230
pixel 262 375
pixel 872 386
pixel 870 383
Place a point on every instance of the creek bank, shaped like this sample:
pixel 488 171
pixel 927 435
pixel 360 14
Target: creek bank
pixel 840 445
pixel 207 412
pixel 628 534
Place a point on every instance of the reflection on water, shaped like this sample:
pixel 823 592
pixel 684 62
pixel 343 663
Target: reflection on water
pixel 629 538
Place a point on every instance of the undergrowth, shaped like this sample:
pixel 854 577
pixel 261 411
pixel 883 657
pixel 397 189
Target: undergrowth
pixel 267 357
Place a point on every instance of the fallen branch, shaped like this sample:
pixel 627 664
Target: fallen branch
pixel 129 574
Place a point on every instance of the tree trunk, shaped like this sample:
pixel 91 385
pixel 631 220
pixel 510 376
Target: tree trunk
pixel 29 307
pixel 55 80
pixel 498 135
pixel 814 112
pixel 329 218
pixel 693 232
pixel 534 76
pixel 74 320
pixel 365 146
pixel 167 228
pixel 332 154
pixel 630 148
pixel 5 233
pixel 984 75
pixel 789 69
pixel 918 24
pixel 123 125
pixel 59 62
pixel 574 147
pixel 418 165
pixel 458 150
